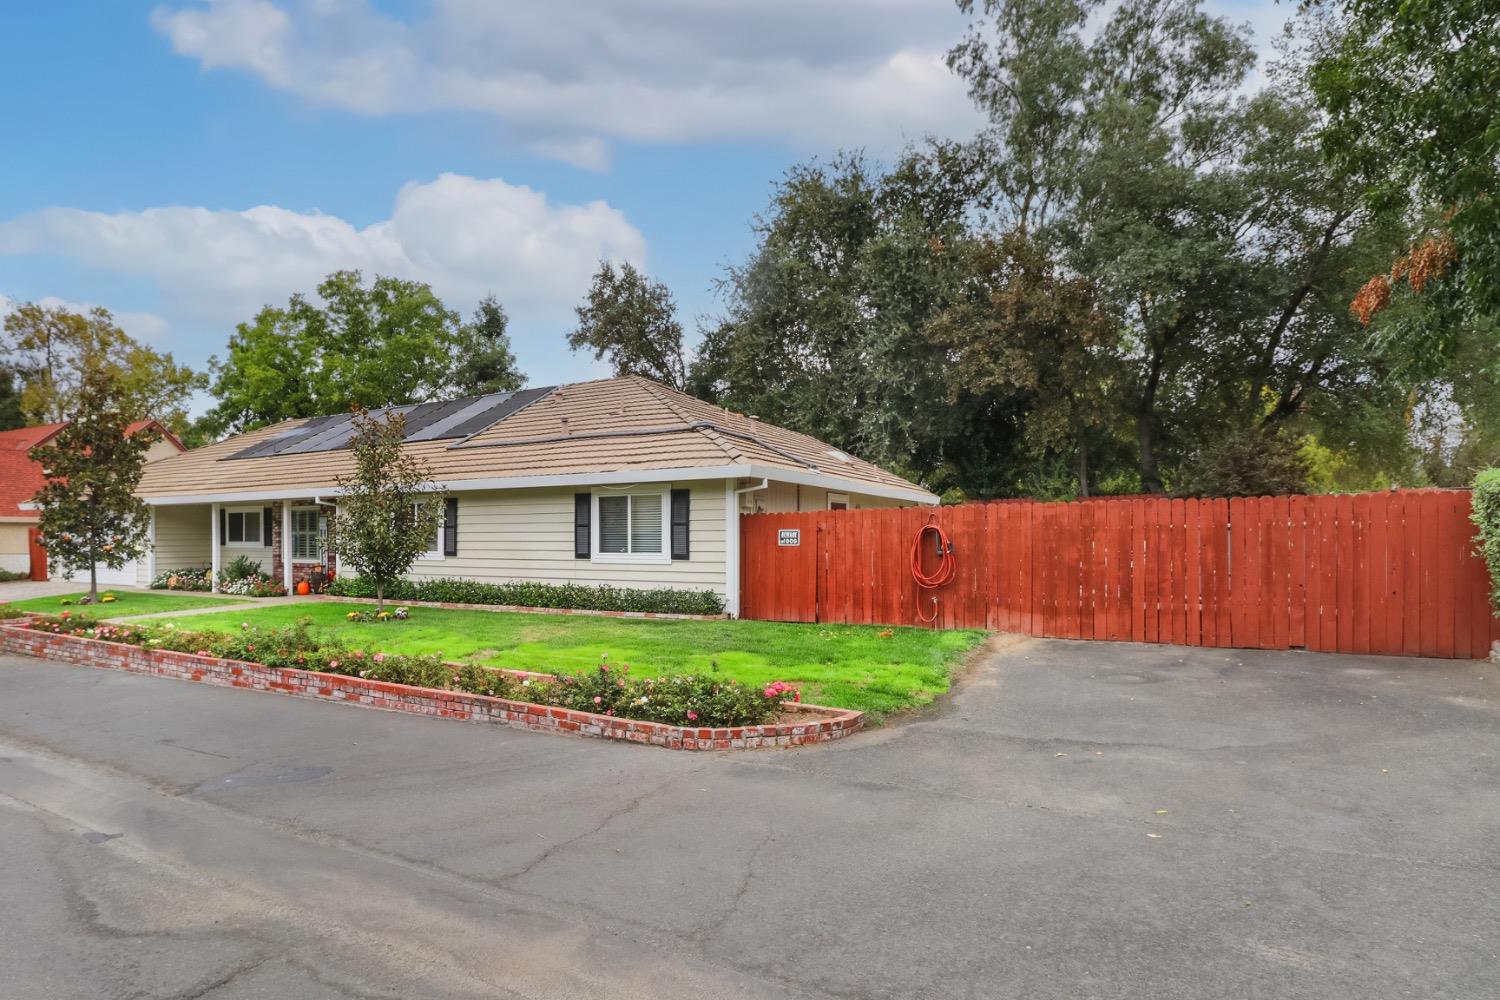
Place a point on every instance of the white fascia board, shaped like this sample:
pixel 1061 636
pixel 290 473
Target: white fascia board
pixel 489 483
pixel 738 471
pixel 842 484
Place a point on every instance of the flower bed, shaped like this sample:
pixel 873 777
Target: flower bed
pixel 242 578
pixel 184 579
pixel 608 689
pixel 131 648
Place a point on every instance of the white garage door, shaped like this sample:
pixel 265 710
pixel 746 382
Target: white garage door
pixel 122 577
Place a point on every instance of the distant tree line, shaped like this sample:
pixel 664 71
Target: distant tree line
pixel 1140 276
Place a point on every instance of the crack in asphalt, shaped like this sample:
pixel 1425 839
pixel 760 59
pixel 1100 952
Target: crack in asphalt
pixel 624 810
pixel 738 895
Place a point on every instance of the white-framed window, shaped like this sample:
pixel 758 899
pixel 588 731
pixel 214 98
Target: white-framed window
pixel 242 527
pixel 307 534
pixel 838 501
pixel 435 544
pixel 631 526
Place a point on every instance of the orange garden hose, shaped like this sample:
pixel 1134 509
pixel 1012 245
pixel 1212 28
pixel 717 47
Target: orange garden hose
pixel 938 577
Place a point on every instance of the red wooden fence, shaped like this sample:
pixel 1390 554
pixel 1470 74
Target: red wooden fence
pixel 1388 573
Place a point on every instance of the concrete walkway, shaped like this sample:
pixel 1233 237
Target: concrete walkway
pixel 22 590
pixel 1082 821
pixel 254 604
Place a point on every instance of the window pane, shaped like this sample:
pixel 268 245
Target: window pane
pixel 645 523
pixel 434 544
pixel 304 534
pixel 613 524
pixel 236 528
pixel 251 527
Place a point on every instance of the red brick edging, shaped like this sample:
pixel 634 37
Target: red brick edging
pixel 522 609
pixel 823 725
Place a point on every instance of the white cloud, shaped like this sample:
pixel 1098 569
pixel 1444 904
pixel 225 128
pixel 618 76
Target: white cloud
pixel 146 327
pixel 567 78
pixel 464 236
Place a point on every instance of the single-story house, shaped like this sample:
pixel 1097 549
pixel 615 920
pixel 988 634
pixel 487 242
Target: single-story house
pixel 20 478
pixel 619 481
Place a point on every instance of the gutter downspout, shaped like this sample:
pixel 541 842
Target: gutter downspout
pixel 732 542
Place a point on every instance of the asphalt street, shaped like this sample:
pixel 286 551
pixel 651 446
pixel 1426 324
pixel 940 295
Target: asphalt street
pixel 1079 820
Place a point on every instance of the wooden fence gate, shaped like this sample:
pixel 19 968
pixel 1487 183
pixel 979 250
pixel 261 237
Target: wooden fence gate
pixel 1392 573
pixel 38 554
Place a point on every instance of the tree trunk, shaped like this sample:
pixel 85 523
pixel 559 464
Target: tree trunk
pixel 379 596
pixel 93 551
pixel 1083 468
pixel 1150 477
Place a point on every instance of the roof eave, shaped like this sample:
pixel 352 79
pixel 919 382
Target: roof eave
pixel 679 474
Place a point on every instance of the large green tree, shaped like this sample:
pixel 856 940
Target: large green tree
pixel 1218 239
pixel 10 401
pixel 52 349
pixel 1026 332
pixel 1412 93
pixel 484 361
pixel 388 342
pixel 631 320
pixel 824 326
pixel 90 514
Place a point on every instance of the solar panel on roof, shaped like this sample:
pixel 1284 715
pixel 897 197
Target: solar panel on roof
pixel 429 414
pixel 502 408
pixel 443 420
pixel 276 442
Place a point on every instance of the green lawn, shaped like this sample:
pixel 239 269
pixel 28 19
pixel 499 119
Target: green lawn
pixel 127 602
pixel 849 666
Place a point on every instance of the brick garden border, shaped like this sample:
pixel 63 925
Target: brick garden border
pixel 521 609
pixel 824 724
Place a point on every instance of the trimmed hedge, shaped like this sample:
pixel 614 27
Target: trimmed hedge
pixel 1486 516
pixel 572 596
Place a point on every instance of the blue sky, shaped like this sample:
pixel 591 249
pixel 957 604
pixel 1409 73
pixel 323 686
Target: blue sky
pixel 184 162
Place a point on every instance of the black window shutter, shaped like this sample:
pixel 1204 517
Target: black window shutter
pixel 582 504
pixel 266 524
pixel 680 502
pixel 450 527
pixel 223 525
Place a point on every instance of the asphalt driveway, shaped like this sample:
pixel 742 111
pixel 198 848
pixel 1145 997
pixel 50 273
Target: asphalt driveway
pixel 1081 820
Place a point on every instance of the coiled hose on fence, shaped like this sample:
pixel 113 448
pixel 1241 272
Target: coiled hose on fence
pixel 946 567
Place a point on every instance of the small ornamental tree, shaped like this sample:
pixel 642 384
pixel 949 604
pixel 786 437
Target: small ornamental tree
pixel 89 511
pixel 388 513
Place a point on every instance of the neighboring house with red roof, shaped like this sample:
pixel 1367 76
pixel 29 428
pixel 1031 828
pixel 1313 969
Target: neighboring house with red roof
pixel 20 478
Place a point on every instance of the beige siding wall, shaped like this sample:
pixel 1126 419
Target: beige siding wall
pixel 779 498
pixel 528 535
pixel 182 538
pixel 15 551
pixel 162 448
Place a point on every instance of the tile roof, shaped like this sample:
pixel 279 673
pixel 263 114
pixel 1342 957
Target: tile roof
pixel 26 438
pixel 20 477
pixel 616 425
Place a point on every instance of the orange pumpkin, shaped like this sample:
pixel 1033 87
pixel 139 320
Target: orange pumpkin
pixel 303 588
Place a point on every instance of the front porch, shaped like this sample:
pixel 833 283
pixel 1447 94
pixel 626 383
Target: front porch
pixel 290 540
